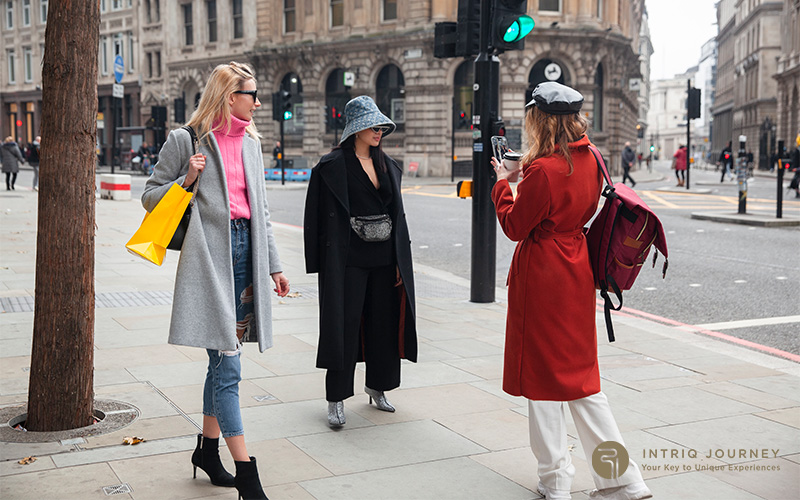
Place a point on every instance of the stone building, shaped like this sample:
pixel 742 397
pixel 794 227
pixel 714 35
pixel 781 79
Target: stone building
pixel 749 43
pixel 22 32
pixel 325 52
pixel 645 53
pixel 667 115
pixel 788 75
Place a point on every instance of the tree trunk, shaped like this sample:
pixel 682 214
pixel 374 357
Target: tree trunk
pixel 60 393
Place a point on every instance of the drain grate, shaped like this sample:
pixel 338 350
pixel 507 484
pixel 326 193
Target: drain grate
pixel 117 489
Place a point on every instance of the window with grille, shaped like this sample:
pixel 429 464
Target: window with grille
pixel 211 10
pixel 389 10
pixel 27 61
pixel 26 12
pixel 188 35
pixel 9 15
pixel 11 57
pixel 550 5
pixel 337 13
pixel 289 16
pixel 238 19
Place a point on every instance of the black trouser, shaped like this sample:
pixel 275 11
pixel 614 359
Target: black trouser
pixel 725 169
pixel 626 175
pixel 371 315
pixel 680 174
pixel 11 178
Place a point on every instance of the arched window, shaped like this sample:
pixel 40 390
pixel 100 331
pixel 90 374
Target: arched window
pixel 336 97
pixel 546 70
pixel 291 83
pixel 390 94
pixel 597 118
pixel 462 95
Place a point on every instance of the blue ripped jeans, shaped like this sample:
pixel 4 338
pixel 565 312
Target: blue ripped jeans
pixel 221 390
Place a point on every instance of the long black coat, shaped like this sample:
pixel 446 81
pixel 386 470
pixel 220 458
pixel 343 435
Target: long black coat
pixel 327 236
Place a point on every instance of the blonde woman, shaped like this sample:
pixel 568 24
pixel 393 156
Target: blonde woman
pixel 551 340
pixel 222 289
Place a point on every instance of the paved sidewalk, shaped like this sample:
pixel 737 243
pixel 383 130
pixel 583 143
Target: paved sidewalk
pixel 455 434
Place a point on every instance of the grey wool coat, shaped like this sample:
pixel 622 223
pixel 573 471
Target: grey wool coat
pixel 203 305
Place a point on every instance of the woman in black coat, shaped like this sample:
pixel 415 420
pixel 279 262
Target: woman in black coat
pixel 356 238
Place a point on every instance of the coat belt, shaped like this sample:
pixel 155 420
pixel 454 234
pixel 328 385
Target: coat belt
pixel 539 234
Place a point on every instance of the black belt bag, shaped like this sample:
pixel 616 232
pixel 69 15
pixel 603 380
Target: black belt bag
pixel 372 228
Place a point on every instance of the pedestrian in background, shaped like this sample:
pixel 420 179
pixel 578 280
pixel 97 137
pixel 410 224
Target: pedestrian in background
pixel 726 161
pixel 33 160
pixel 357 239
pixel 679 164
pixel 551 338
pixel 229 255
pixel 628 157
pixel 11 157
pixel 145 158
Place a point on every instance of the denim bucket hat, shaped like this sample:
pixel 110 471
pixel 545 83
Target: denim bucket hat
pixel 362 113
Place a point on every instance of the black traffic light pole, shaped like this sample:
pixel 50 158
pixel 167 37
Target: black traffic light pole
pixel 484 227
pixel 688 130
pixel 283 162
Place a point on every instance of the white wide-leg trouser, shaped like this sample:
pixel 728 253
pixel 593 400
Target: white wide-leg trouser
pixel 548 435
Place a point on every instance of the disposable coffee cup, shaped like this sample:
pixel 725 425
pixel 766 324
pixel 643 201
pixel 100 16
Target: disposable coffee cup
pixel 511 161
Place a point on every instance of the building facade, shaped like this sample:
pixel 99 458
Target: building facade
pixel 667 115
pixel 788 75
pixel 705 81
pixel 325 52
pixel 645 54
pixel 22 30
pixel 749 42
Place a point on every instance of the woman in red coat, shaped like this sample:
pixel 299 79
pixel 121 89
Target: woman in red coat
pixel 551 341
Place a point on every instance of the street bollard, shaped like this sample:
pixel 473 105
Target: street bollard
pixel 115 187
pixel 741 174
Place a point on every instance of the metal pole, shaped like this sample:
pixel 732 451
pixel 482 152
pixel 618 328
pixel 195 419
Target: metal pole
pixel 453 142
pixel 779 213
pixel 688 132
pixel 283 164
pixel 741 174
pixel 484 226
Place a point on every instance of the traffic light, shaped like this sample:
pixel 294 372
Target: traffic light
pixel 462 120
pixel 639 131
pixel 652 148
pixel 510 24
pixel 693 103
pixel 498 128
pixel 282 105
pixel 468 39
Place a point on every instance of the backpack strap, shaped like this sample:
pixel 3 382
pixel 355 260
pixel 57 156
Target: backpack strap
pixel 607 282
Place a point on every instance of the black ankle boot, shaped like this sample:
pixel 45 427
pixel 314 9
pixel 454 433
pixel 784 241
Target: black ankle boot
pixel 247 482
pixel 206 456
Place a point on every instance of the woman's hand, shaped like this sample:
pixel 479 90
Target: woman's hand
pixel 281 284
pixel 399 279
pixel 502 173
pixel 196 165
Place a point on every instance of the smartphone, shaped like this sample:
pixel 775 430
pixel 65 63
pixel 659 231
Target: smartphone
pixel 499 146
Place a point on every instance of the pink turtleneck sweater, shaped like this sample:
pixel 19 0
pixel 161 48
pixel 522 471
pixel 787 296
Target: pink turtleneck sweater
pixel 230 148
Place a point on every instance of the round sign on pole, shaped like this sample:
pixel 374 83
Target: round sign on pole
pixel 119 68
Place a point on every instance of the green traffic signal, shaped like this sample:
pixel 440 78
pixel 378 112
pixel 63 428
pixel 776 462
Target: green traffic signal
pixel 287 115
pixel 652 148
pixel 518 29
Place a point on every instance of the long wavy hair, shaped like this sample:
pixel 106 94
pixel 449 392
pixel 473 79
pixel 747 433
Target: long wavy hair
pixel 376 152
pixel 543 132
pixel 213 106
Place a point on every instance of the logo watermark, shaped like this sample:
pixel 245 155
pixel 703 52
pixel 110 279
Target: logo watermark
pixel 610 459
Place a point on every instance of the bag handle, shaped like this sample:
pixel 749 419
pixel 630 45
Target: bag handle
pixel 196 182
pixel 608 191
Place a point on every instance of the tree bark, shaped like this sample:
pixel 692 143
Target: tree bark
pixel 61 391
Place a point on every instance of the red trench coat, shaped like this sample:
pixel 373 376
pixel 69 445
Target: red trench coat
pixel 551 339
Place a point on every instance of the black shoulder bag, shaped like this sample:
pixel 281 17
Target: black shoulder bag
pixel 180 233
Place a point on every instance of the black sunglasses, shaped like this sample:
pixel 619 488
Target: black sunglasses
pixel 253 93
pixel 381 130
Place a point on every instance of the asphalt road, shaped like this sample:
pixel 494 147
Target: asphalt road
pixel 743 281
pixel 719 274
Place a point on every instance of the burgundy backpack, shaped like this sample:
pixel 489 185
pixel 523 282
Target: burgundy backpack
pixel 619 240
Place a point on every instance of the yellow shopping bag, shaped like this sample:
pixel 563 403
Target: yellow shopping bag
pixel 154 234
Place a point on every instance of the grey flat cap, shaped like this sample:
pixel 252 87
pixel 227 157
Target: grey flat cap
pixel 556 99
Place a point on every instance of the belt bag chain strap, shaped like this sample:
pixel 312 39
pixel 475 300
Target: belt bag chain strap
pixel 372 228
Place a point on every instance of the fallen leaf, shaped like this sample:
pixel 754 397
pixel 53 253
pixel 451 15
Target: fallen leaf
pixel 27 460
pixel 132 440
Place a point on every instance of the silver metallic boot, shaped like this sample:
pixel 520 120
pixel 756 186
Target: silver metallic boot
pixel 336 413
pixel 380 399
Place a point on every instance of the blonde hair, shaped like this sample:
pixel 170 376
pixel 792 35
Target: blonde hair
pixel 9 139
pixel 213 105
pixel 544 131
